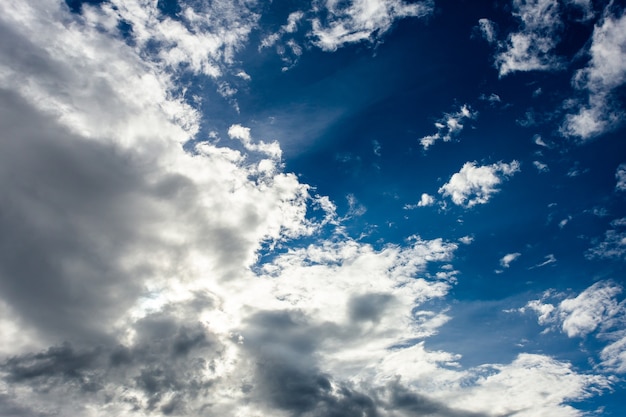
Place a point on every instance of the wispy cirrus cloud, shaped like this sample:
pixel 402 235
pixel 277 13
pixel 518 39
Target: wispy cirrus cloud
pixel 449 126
pixel 361 20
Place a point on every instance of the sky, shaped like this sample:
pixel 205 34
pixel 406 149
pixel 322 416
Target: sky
pixel 247 208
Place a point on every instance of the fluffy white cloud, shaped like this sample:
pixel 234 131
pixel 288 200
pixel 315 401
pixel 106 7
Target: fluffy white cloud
pixel 605 72
pixel 359 20
pixel 426 200
pixel 476 184
pixel 449 126
pixel 531 47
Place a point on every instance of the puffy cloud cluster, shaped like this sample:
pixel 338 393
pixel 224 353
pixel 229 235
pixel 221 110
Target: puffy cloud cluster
pixel 475 184
pixel 597 310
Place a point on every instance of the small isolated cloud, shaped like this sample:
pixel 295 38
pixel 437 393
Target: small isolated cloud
pixel 426 200
pixel 449 126
pixel 620 175
pixel 476 184
pixel 540 142
pixel 606 72
pixel 361 20
pixel 541 167
pixel 564 222
pixel 488 30
pixel 466 240
pixel 549 259
pixel 491 98
pixel 506 260
pixel 376 147
pixel 531 47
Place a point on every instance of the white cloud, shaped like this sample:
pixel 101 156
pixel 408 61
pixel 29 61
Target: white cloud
pixel 597 311
pixel 488 30
pixel 531 48
pixel 426 200
pixel 541 167
pixel 506 260
pixel 449 126
pixel 613 246
pixel 359 20
pixel 540 142
pixel 197 40
pixel 476 184
pixel 466 240
pixel 620 175
pixel 272 149
pixel 549 259
pixel 605 72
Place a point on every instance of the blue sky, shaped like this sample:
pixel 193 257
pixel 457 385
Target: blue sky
pixel 326 208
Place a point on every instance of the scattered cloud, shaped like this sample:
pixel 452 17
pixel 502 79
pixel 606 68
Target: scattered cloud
pixel 595 311
pixel 620 175
pixel 613 246
pixel 605 72
pixel 449 126
pixel 360 20
pixel 476 184
pixel 530 48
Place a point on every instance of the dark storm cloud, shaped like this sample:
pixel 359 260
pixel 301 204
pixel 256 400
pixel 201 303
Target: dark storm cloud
pixel 287 346
pixel 167 364
pixel 401 398
pixel 369 307
pixel 67 215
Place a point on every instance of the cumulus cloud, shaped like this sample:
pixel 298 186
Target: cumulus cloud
pixel 360 20
pixel 604 73
pixel 475 184
pixel 449 126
